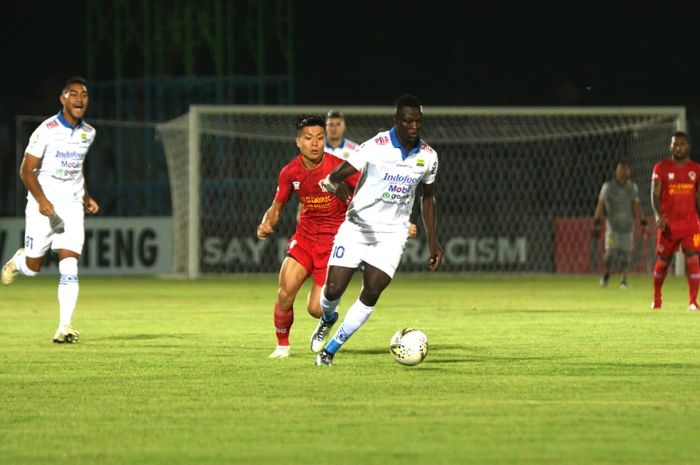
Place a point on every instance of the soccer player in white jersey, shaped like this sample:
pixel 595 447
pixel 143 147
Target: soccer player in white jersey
pixel 336 142
pixel 374 233
pixel 57 199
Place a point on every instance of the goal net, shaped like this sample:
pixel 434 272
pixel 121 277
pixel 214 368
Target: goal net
pixel 517 187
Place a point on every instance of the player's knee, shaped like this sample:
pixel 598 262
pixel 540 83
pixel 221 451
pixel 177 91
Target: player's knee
pixel 369 297
pixel 34 264
pixel 332 291
pixel 285 299
pixel 68 267
pixel 315 311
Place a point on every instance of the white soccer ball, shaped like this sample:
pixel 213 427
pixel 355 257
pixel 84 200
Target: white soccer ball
pixel 409 346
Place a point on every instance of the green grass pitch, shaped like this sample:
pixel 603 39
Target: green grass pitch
pixel 521 370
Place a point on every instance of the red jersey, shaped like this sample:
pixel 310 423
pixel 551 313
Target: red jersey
pixel 323 212
pixel 678 186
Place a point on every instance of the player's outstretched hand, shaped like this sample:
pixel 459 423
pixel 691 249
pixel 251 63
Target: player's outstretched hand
pixel 436 254
pixel 340 189
pixel 343 192
pixel 263 230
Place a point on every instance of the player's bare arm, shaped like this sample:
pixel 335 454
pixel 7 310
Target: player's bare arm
pixel 334 182
pixel 429 215
pixel 656 203
pixel 270 220
pixel 27 173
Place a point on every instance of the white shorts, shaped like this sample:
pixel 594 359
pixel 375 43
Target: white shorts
pixel 41 232
pixel 354 245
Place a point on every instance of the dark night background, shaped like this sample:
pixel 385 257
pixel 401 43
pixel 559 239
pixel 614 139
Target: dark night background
pixel 446 52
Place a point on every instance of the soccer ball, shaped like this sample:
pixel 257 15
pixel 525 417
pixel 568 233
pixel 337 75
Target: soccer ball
pixel 409 346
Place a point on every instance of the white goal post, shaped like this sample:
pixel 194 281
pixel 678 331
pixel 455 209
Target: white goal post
pixel 516 186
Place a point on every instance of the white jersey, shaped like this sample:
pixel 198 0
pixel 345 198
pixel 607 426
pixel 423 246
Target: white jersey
pixel 344 151
pixel 387 187
pixel 62 149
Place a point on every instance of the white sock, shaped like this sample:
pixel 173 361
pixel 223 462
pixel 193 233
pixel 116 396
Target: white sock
pixel 356 316
pixel 68 289
pixel 329 307
pixel 21 265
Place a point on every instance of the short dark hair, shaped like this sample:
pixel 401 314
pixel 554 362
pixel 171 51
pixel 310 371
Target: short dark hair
pixel 74 80
pixel 310 120
pixel 681 134
pixel 334 114
pixel 408 100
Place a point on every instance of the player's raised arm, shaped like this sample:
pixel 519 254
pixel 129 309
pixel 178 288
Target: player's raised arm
pixel 429 215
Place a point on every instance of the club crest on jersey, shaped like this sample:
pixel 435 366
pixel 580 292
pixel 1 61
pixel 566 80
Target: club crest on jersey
pixel 691 175
pixel 671 175
pixel 420 162
pixel 296 185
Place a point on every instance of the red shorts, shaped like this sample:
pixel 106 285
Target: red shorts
pixel 312 255
pixel 668 240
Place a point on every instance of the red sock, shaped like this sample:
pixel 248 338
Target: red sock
pixel 692 273
pixel 283 324
pixel 660 270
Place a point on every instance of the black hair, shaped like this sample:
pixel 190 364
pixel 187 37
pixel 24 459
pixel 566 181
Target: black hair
pixel 75 80
pixel 408 100
pixel 681 134
pixel 334 114
pixel 310 120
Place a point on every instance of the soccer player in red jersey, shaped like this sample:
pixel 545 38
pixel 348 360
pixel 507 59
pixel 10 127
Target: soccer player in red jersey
pixel 322 213
pixel 675 199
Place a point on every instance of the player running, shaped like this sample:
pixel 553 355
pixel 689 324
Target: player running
pixel 322 214
pixel 52 172
pixel 375 230
pixel 675 200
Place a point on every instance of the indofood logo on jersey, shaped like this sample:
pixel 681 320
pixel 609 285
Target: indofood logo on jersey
pixel 69 155
pixel 400 178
